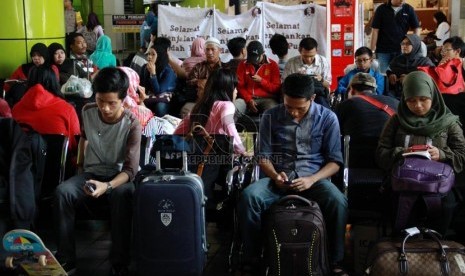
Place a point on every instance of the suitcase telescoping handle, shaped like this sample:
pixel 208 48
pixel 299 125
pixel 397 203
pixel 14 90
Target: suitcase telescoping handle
pixel 414 231
pixel 294 198
pixel 158 162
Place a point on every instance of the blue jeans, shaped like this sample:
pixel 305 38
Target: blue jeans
pixel 384 59
pixel 259 196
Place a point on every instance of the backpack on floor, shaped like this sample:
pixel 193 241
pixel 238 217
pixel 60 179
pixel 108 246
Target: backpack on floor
pixel 295 238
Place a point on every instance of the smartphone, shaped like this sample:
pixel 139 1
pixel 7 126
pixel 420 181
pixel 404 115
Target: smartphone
pixel 418 148
pixel 288 182
pixel 90 187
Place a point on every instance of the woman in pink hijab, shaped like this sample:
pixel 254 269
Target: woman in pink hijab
pixel 197 55
pixel 134 101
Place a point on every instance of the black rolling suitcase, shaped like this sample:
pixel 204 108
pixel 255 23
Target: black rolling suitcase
pixel 169 219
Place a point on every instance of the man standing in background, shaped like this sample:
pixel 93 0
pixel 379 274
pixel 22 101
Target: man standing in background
pixel 73 19
pixel 391 22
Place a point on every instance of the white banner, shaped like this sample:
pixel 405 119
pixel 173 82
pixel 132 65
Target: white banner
pixel 295 23
pixel 183 25
pixel 229 26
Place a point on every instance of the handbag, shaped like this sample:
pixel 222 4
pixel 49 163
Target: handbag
pixel 421 175
pixel 416 256
pixel 209 149
pixel 416 178
pixel 448 76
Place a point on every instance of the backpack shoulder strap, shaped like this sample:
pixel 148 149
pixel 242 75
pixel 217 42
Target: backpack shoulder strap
pixel 386 108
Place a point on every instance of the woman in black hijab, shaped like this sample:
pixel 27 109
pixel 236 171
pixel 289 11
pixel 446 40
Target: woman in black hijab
pixel 410 59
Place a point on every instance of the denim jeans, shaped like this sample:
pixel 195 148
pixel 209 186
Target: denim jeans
pixel 384 59
pixel 259 196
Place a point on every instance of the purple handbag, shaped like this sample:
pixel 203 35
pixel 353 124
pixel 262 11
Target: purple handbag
pixel 416 178
pixel 413 174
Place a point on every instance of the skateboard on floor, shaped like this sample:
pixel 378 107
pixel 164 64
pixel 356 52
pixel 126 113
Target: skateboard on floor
pixel 28 254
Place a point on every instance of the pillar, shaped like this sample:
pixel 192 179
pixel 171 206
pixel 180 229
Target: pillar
pixel 24 23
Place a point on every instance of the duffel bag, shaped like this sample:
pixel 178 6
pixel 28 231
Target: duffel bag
pixel 417 256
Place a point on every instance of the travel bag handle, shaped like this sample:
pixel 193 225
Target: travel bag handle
pixel 411 232
pixel 296 198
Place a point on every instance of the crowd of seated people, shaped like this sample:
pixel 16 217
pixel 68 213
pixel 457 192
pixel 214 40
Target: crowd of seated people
pixel 296 98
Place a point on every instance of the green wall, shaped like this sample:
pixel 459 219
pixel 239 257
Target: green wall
pixel 219 4
pixel 88 6
pixel 24 23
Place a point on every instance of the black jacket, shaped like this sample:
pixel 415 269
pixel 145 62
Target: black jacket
pixel 17 197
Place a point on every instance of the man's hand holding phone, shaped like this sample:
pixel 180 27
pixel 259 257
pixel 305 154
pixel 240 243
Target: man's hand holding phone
pixel 94 188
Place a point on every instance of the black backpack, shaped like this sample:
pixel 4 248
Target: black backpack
pixel 295 238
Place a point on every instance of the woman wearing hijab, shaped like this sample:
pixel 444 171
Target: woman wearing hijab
pixel 410 59
pixel 424 119
pixel 15 91
pixel 197 55
pixel 65 66
pixel 39 55
pixel 134 100
pixel 103 55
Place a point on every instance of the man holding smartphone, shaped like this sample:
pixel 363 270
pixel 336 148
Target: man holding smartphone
pixel 300 149
pixel 259 81
pixel 110 143
pixel 309 62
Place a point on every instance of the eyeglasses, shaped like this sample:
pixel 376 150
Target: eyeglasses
pixel 405 44
pixel 446 50
pixel 362 60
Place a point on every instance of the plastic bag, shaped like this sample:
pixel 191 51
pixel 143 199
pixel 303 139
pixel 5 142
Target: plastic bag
pixel 77 86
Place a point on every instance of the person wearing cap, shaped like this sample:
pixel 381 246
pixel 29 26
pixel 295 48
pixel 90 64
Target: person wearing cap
pixel 199 74
pixel 309 62
pixel 359 118
pixel 259 81
pixel 424 119
pixel 363 61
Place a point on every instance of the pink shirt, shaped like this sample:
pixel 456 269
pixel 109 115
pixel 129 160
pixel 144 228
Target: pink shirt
pixel 220 121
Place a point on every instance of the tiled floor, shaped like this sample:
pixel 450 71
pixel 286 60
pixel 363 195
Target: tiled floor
pixel 93 243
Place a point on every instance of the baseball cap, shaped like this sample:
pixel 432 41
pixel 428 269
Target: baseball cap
pixel 254 51
pixel 364 79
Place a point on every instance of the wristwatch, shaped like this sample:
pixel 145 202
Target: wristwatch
pixel 109 188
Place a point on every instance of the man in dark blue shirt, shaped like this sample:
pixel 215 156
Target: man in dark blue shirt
pixel 391 23
pixel 299 141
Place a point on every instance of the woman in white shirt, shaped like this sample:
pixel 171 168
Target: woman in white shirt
pixel 442 30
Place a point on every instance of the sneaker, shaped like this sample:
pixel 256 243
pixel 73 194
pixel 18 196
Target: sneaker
pixel 69 267
pixel 119 270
